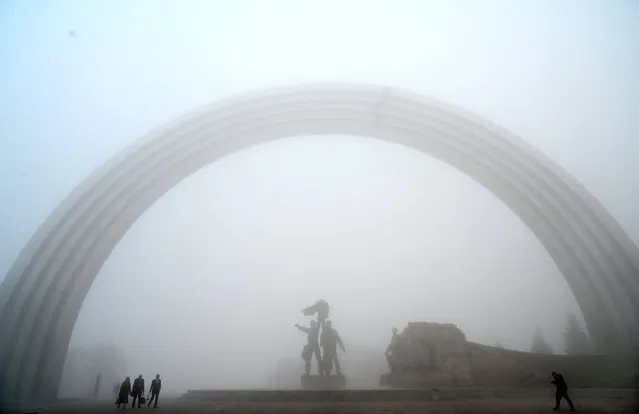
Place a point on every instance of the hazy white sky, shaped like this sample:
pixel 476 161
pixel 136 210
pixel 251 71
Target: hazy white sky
pixel 218 269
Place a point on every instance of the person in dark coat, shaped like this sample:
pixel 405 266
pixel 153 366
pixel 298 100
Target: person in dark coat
pixel 562 391
pixel 137 391
pixel 156 386
pixel 125 391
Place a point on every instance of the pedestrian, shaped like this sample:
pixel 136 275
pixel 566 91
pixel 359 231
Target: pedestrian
pixel 562 391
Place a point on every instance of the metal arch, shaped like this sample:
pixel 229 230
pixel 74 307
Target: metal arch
pixel 42 294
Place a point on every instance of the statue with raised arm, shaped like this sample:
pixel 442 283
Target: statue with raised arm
pixel 320 308
pixel 312 347
pixel 328 341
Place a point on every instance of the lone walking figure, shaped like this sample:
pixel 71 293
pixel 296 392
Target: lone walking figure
pixel 562 391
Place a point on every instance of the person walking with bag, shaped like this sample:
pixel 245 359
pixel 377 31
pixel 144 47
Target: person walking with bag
pixel 137 392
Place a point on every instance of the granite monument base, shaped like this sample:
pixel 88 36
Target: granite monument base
pixel 323 382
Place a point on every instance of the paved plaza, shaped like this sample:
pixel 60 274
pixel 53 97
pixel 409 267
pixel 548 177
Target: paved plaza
pixel 594 401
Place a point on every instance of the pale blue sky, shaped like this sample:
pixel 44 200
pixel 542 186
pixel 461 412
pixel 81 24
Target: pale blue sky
pixel 563 75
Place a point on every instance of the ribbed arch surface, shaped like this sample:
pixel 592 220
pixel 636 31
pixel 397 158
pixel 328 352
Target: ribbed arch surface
pixel 43 292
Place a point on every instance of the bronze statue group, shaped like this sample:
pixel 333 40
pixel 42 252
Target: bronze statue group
pixel 323 340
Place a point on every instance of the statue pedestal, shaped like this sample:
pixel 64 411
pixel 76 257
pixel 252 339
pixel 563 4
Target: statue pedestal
pixel 323 382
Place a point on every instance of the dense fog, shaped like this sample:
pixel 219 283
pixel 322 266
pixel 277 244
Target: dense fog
pixel 206 286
